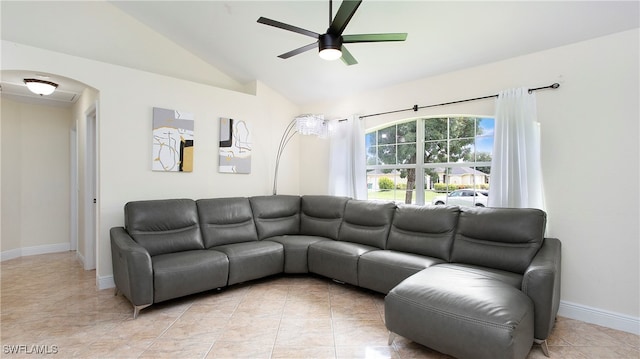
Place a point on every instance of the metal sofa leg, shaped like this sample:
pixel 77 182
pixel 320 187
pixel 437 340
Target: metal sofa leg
pixel 137 309
pixel 392 337
pixel 543 346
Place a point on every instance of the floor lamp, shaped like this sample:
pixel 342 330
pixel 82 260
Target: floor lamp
pixel 305 125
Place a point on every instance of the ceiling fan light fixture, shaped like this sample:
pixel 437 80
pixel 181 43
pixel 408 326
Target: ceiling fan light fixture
pixel 40 87
pixel 330 54
pixel 330 47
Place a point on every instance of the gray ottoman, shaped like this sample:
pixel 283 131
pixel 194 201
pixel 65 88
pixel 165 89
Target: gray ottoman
pixel 462 312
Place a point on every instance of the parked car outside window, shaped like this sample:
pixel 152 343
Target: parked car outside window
pixel 464 197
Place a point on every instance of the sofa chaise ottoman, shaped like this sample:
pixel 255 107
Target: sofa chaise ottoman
pixel 481 294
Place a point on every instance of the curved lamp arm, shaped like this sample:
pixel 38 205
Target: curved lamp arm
pixel 288 134
pixel 305 125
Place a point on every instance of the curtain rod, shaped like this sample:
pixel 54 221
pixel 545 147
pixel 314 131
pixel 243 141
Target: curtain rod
pixel 415 108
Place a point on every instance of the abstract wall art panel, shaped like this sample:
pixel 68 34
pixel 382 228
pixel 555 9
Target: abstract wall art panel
pixel 235 146
pixel 172 141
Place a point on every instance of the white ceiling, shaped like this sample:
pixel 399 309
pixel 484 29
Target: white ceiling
pixel 443 36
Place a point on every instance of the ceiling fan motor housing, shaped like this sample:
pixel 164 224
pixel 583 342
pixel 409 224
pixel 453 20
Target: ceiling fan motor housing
pixel 329 41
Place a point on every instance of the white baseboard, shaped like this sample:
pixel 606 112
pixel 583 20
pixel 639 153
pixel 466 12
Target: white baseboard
pixel 35 250
pixel 600 317
pixel 106 282
pixel 80 258
pixel 10 254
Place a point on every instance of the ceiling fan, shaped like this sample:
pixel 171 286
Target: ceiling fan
pixel 331 43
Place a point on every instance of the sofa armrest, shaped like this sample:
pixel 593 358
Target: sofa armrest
pixel 132 269
pixel 541 282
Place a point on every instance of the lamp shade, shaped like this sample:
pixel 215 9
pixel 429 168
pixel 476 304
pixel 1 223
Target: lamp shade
pixel 40 87
pixel 312 125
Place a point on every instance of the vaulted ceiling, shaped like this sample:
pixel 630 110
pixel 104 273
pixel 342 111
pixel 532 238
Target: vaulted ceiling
pixel 443 36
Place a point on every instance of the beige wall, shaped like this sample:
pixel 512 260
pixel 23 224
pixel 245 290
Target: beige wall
pixel 35 175
pixel 590 129
pixel 126 99
pixel 11 213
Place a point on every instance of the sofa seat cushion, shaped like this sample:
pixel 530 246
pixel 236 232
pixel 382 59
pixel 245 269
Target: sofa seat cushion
pixel 295 251
pixel 183 273
pixel 337 260
pixel 252 260
pixel 383 270
pixel 461 313
pixel 510 278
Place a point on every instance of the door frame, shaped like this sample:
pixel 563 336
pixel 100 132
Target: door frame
pixel 73 187
pixel 91 189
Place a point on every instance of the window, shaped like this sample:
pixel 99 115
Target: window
pixel 438 160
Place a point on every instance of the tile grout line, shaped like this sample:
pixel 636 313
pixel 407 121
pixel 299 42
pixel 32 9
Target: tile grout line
pixel 164 331
pixel 235 308
pixel 333 327
pixel 275 340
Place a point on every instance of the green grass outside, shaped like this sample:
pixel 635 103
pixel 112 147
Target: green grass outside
pixel 399 195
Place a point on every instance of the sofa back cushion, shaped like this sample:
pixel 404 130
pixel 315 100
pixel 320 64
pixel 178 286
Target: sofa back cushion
pixel 164 226
pixel 226 221
pixel 425 230
pixel 276 215
pixel 367 222
pixel 500 238
pixel 321 215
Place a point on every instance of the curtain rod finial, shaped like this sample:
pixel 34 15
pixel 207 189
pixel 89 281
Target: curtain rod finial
pixel 555 85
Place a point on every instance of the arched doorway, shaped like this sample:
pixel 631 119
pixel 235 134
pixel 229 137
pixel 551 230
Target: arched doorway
pixel 49 167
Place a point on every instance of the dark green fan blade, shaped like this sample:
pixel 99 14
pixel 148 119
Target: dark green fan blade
pixel 344 14
pixel 347 58
pixel 281 25
pixel 350 39
pixel 299 50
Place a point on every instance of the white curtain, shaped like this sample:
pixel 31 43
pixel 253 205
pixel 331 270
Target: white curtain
pixel 347 168
pixel 516 170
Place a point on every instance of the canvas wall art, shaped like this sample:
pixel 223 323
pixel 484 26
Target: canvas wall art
pixel 172 141
pixel 235 146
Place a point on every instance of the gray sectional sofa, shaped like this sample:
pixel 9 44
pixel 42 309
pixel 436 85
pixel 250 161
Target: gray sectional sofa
pixel 469 282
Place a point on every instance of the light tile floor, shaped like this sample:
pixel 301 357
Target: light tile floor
pixel 50 305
